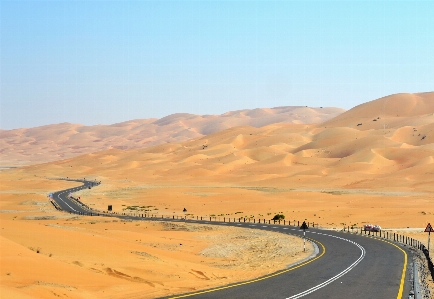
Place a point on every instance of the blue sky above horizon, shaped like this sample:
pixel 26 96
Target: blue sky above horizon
pixel 102 62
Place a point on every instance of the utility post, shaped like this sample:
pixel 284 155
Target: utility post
pixel 304 227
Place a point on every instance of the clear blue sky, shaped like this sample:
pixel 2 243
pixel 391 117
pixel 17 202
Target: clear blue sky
pixel 101 62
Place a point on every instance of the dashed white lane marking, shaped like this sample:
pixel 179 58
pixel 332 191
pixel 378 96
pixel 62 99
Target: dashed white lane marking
pixel 274 227
pixel 264 226
pixel 285 228
pixel 252 225
pixel 58 196
pixel 321 285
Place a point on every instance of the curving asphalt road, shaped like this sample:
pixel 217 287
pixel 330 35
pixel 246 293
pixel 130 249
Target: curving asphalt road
pixel 346 265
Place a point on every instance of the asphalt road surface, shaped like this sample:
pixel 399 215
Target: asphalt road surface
pixel 346 266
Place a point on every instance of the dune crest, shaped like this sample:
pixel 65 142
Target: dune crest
pixel 65 140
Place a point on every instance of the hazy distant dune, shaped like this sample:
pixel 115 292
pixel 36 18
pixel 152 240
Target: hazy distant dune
pixel 60 141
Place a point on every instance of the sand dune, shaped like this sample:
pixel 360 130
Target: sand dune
pixel 386 112
pixel 321 155
pixel 61 141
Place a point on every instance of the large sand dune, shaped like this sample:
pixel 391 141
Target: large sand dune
pixel 61 141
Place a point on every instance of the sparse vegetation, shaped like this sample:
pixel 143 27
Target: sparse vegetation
pixel 278 217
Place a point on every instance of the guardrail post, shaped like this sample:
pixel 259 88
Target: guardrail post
pixel 268 221
pixel 298 223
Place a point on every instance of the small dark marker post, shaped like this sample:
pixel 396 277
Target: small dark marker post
pixel 428 230
pixel 304 227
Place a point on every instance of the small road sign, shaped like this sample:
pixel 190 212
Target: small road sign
pixel 304 225
pixel 429 228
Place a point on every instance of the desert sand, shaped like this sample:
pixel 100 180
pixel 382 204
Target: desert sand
pixel 50 254
pixel 371 164
pixel 60 141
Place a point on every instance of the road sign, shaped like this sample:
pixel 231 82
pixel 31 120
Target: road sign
pixel 429 228
pixel 304 227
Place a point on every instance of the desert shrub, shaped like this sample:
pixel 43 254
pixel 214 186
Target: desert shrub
pixel 278 217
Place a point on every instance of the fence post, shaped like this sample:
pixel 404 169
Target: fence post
pixel 268 221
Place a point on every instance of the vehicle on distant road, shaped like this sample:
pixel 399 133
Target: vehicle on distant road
pixel 372 228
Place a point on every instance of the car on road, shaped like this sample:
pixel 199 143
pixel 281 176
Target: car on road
pixel 372 228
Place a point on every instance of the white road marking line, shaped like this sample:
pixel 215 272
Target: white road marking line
pixel 321 285
pixel 285 228
pixel 58 196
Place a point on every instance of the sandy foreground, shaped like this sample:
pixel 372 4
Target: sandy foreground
pixel 50 254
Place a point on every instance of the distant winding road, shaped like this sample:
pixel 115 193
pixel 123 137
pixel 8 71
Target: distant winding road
pixel 347 266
